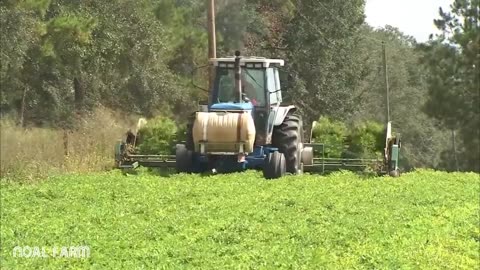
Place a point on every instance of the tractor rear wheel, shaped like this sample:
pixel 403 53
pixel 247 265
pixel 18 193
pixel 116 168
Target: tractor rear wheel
pixel 288 138
pixel 275 166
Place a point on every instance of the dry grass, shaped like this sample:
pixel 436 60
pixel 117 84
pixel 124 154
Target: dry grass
pixel 35 153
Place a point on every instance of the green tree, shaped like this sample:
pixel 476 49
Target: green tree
pixel 19 33
pixel 60 58
pixel 454 65
pixel 322 69
pixel 423 139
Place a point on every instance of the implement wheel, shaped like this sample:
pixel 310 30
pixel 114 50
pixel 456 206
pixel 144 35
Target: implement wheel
pixel 275 166
pixel 183 159
pixel 288 138
pixel 394 173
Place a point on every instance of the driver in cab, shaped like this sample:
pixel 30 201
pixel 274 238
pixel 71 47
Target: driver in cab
pixel 248 90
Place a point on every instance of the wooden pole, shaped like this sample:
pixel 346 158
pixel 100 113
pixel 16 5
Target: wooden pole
pixel 385 74
pixel 454 142
pixel 212 44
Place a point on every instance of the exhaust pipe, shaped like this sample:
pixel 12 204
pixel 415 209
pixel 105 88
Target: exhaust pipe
pixel 238 74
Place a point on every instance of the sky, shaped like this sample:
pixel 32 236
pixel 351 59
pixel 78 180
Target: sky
pixel 413 17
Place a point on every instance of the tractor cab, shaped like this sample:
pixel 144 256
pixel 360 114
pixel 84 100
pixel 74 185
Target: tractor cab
pixel 248 83
pixel 259 81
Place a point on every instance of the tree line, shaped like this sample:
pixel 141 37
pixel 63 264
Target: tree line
pixel 60 59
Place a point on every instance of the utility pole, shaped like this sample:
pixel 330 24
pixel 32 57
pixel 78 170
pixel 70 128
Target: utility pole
pixel 212 46
pixel 385 74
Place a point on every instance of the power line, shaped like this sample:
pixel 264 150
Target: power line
pixel 315 27
pixel 327 42
pixel 333 16
pixel 374 81
pixel 343 22
pixel 330 43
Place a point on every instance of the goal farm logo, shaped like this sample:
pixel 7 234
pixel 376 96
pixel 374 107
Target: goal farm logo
pixel 73 252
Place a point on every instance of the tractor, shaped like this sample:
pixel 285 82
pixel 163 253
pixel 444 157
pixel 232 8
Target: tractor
pixel 245 126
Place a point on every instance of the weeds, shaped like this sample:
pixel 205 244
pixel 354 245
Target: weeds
pixel 28 154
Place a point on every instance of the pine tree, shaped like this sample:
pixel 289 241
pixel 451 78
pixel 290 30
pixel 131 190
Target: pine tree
pixel 454 62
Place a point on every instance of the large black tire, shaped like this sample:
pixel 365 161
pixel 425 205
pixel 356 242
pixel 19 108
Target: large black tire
pixel 275 166
pixel 183 159
pixel 288 138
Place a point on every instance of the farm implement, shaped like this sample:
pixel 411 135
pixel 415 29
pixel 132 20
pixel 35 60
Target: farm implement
pixel 246 126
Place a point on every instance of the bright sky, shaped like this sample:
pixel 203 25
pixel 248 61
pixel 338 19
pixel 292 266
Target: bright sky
pixel 413 17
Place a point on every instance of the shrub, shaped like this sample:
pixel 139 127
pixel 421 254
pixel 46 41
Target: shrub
pixel 366 140
pixel 181 133
pixel 332 134
pixel 158 136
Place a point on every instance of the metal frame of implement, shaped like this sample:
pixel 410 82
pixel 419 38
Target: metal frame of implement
pixel 320 165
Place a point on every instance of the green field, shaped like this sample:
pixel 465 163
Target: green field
pixel 423 220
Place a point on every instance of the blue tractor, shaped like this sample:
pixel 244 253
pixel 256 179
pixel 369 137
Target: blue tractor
pixel 245 126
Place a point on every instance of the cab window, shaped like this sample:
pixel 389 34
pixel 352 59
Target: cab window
pixel 253 85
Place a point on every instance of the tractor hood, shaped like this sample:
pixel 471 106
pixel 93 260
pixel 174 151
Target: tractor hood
pixel 232 107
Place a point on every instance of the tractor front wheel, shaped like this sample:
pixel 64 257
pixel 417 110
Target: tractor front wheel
pixel 289 140
pixel 183 159
pixel 189 133
pixel 275 166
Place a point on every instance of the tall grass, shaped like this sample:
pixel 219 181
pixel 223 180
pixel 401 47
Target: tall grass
pixel 34 153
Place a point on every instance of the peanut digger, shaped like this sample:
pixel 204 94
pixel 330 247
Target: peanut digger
pixel 246 126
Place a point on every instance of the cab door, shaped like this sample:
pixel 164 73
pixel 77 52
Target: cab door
pixel 274 99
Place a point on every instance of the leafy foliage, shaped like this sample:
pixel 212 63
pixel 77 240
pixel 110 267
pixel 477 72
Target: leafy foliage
pixel 366 140
pixel 332 134
pixel 320 41
pixel 454 79
pixel 158 136
pixel 424 219
pixel 81 56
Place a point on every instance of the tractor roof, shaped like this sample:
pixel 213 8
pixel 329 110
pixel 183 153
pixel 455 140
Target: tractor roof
pixel 248 60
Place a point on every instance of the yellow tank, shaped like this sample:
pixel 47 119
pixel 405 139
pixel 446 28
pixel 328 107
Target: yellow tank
pixel 224 132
